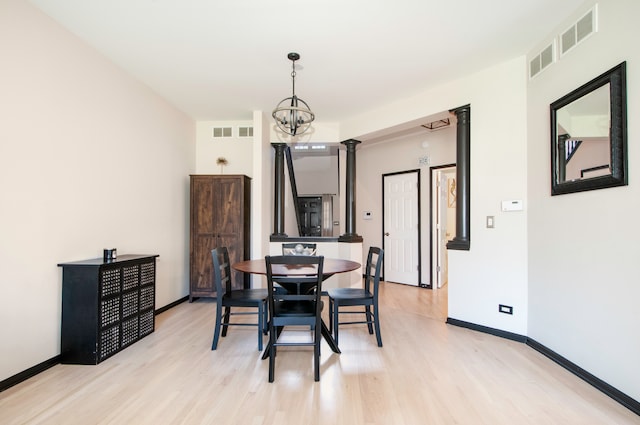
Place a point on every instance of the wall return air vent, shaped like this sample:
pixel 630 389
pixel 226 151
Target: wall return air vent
pixel 219 132
pixel 579 31
pixel 542 60
pixel 245 131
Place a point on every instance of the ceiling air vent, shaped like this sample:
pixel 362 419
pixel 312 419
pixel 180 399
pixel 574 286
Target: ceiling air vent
pixel 219 132
pixel 245 131
pixel 542 60
pixel 579 31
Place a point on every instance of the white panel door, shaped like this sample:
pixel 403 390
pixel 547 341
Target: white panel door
pixel 401 228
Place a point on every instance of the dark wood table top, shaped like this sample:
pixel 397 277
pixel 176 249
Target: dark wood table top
pixel 330 267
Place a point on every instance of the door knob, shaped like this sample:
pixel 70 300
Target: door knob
pixel 386 233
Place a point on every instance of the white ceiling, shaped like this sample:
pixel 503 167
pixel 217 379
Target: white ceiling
pixel 223 59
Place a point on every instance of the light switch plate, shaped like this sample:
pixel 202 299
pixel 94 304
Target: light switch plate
pixel 490 222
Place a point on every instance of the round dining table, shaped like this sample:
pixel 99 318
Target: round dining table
pixel 330 267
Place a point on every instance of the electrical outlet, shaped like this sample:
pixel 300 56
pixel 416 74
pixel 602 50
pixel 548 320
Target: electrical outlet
pixel 506 309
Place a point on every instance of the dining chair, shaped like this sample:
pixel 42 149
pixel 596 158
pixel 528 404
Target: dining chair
pixel 299 248
pixel 366 296
pixel 227 298
pixel 293 308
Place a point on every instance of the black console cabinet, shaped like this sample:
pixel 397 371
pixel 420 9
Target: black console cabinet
pixel 106 306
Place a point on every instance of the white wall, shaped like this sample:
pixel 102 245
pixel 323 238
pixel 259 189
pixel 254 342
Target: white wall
pixel 583 256
pixel 494 270
pixel 89 159
pixel 238 151
pixel 397 155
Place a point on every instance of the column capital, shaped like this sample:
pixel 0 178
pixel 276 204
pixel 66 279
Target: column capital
pixel 350 143
pixel 279 147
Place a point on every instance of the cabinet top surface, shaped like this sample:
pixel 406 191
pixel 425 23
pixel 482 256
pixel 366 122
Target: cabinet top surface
pixel 218 175
pixel 100 261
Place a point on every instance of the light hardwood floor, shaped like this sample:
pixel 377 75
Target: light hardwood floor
pixel 428 372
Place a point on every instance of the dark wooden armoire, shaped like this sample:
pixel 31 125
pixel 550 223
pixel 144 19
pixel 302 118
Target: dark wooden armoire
pixel 220 216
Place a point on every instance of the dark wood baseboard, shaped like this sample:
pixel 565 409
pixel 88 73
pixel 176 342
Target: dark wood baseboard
pixel 487 330
pixel 594 381
pixel 33 371
pixel 171 305
pixel 26 374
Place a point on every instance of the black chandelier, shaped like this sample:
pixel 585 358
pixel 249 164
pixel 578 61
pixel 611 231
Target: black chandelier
pixel 293 116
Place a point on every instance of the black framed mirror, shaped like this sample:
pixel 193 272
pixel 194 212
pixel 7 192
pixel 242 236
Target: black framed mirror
pixel 589 135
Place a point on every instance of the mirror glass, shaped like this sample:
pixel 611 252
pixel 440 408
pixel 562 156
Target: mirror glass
pixel 583 137
pixel 315 168
pixel 588 135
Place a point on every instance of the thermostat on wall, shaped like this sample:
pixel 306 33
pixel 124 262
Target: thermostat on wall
pixel 515 205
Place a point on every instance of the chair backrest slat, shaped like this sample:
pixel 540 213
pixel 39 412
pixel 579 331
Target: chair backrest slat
pixel 221 270
pixel 373 269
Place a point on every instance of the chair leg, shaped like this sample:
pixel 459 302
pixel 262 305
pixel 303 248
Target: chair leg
pixel 376 316
pixel 272 352
pixel 260 325
pixel 316 353
pixel 330 315
pixel 216 333
pixel 336 314
pixel 367 310
pixel 227 314
pixel 265 318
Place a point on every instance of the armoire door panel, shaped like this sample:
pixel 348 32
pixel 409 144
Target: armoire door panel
pixel 201 265
pixel 227 207
pixel 202 220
